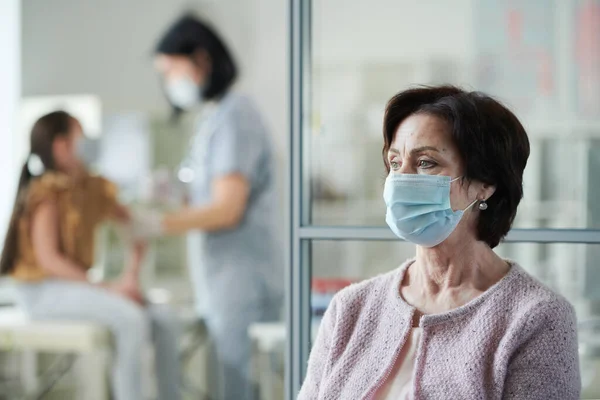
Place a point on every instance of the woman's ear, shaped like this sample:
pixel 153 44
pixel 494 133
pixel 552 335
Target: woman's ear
pixel 202 60
pixel 487 191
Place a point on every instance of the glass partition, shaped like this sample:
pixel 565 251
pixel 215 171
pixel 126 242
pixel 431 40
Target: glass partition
pixel 541 58
pixel 536 56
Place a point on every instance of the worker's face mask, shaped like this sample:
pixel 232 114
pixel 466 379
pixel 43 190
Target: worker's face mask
pixel 418 208
pixel 183 92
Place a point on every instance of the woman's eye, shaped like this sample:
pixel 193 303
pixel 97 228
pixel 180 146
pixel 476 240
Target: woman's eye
pixel 426 164
pixel 394 165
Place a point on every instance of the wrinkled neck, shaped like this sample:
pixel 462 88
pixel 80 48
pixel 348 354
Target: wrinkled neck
pixel 457 263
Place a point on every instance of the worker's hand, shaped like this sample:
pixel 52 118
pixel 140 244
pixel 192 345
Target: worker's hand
pixel 122 214
pixel 146 224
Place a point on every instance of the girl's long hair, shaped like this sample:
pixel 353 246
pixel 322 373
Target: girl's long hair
pixel 43 133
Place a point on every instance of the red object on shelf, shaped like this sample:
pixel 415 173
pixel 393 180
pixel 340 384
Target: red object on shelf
pixel 588 58
pixel 330 285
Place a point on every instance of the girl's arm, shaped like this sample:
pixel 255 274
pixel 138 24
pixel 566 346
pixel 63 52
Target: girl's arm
pixel 129 282
pixel 134 261
pixel 46 245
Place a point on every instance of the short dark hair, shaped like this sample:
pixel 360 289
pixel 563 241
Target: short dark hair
pixel 188 35
pixel 492 143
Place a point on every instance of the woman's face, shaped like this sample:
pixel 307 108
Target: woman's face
pixel 423 145
pixel 175 67
pixel 183 77
pixel 66 149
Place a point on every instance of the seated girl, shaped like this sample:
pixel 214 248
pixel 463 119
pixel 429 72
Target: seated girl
pixel 50 245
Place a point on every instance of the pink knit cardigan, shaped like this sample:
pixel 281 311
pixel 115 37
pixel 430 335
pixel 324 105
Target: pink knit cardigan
pixel 518 340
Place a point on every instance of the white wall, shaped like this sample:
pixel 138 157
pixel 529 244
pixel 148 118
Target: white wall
pixel 9 96
pixel 105 47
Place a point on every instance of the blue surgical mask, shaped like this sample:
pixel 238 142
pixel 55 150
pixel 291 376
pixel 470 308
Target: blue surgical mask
pixel 418 208
pixel 183 92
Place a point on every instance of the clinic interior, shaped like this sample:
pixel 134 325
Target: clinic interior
pixel 249 280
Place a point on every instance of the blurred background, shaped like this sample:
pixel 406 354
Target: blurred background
pixel 94 59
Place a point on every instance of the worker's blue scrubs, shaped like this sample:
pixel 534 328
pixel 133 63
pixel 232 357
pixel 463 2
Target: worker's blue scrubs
pixel 239 272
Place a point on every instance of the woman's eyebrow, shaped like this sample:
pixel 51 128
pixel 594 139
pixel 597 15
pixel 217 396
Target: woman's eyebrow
pixel 424 148
pixel 416 150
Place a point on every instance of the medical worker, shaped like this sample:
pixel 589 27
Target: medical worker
pixel 231 175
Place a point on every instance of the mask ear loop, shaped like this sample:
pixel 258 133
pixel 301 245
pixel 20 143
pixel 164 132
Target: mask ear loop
pixel 471 205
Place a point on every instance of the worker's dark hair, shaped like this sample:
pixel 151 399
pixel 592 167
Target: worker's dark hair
pixel 44 132
pixel 492 143
pixel 188 35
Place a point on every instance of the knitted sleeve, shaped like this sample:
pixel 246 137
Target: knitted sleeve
pixel 546 365
pixel 319 355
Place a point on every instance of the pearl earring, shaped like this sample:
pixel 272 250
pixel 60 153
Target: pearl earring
pixel 483 205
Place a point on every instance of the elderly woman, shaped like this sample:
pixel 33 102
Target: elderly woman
pixel 457 321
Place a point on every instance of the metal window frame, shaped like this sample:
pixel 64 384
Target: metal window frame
pixel 298 278
pixel 301 235
pixel 585 236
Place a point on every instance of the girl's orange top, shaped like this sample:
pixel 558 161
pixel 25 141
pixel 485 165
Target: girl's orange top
pixel 82 205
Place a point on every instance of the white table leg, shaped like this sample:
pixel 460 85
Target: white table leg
pixel 92 371
pixel 29 371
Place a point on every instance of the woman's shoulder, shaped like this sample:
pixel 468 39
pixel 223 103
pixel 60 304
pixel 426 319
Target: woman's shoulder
pixel 367 287
pixel 239 111
pixel 239 105
pixel 376 293
pixel 354 311
pixel 234 98
pixel 536 300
